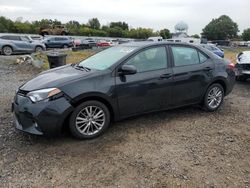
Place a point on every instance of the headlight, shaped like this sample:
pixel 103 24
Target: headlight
pixel 42 94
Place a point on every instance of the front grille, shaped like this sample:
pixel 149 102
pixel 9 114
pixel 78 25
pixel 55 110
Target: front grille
pixel 243 66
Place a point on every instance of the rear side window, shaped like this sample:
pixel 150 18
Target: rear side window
pixel 185 56
pixel 5 37
pixel 61 39
pixel 9 37
pixel 14 38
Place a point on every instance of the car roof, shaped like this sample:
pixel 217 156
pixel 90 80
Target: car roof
pixel 152 43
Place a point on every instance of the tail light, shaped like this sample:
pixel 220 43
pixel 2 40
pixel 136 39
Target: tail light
pixel 231 66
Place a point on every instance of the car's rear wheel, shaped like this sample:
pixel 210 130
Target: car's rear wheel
pixel 7 50
pixel 89 120
pixel 214 97
pixel 38 49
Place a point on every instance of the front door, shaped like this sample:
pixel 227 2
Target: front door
pixel 150 88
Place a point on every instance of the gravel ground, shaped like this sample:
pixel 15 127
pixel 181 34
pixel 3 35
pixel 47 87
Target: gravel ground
pixel 185 147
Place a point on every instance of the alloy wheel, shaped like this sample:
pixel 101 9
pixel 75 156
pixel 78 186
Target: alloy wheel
pixel 90 120
pixel 39 49
pixel 214 97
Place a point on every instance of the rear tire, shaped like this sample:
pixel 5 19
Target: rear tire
pixel 7 50
pixel 89 120
pixel 213 98
pixel 39 49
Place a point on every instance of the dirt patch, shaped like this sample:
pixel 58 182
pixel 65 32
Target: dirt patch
pixel 185 147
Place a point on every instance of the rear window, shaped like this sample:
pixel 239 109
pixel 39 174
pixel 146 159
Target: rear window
pixel 61 39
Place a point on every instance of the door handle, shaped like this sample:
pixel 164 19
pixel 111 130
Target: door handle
pixel 207 69
pixel 163 76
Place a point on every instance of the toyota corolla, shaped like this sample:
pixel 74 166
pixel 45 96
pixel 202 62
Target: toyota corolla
pixel 120 82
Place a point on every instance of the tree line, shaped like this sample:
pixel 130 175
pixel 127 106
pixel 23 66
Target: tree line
pixel 92 28
pixel 222 28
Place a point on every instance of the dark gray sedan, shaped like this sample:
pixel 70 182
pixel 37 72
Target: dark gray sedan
pixel 119 82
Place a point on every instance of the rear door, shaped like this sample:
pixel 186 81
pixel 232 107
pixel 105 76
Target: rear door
pixel 150 88
pixel 192 71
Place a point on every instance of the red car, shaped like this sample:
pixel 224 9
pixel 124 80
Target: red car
pixel 103 43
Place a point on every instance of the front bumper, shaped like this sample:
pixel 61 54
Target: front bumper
pixel 41 118
pixel 242 70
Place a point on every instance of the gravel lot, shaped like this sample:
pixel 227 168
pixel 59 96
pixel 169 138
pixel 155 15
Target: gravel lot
pixel 185 147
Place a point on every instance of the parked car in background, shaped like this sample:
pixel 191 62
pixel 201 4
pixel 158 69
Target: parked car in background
pixel 58 42
pixel 214 49
pixel 155 39
pixel 103 43
pixel 10 44
pixel 120 82
pixel 243 66
pixel 87 43
pixel 54 30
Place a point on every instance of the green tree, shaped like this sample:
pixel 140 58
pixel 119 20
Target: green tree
pixel 165 33
pixel 246 34
pixel 196 36
pixel 115 32
pixel 220 29
pixel 94 23
pixel 6 25
pixel 122 25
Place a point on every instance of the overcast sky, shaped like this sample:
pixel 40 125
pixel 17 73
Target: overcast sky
pixel 156 14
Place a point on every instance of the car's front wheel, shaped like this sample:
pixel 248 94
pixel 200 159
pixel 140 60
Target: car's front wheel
pixel 89 120
pixel 214 97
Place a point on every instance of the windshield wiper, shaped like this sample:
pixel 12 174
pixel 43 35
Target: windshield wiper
pixel 80 67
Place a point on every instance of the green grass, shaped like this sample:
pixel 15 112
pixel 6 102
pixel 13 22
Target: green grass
pixel 72 57
pixel 230 53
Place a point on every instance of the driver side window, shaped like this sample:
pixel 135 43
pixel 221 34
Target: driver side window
pixel 149 59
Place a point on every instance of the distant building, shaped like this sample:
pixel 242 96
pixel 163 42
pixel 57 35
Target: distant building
pixel 180 35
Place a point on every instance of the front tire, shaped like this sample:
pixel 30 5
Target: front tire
pixel 89 120
pixel 213 98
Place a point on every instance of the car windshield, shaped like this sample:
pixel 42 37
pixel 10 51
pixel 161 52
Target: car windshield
pixel 106 58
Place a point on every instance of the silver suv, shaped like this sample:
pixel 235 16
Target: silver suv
pixel 10 44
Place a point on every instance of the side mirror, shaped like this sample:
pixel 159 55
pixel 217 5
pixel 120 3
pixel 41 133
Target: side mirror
pixel 127 70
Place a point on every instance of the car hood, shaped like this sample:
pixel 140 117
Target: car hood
pixel 244 58
pixel 55 78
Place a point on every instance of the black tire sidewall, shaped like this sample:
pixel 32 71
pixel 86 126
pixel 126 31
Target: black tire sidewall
pixel 205 104
pixel 7 47
pixel 39 48
pixel 73 116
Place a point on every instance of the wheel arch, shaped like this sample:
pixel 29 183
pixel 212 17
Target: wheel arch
pixel 99 98
pixel 221 82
